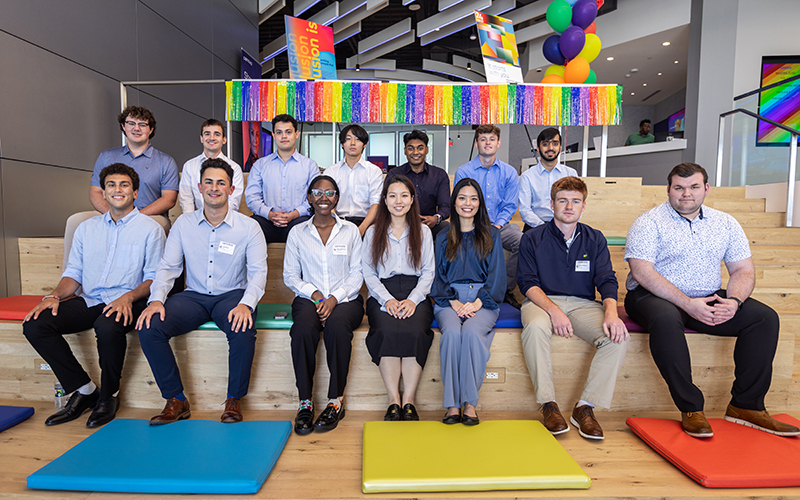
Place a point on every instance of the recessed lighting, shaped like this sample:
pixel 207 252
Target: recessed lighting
pixel 473 36
pixel 634 70
pixel 628 75
pixel 676 62
pixel 610 58
pixel 358 67
pixel 665 44
pixel 469 66
pixel 633 93
pixel 644 85
pixel 659 74
pixel 437 29
pixel 538 70
pixel 413 7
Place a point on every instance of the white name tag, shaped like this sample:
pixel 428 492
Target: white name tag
pixel 339 249
pixel 581 266
pixel 226 247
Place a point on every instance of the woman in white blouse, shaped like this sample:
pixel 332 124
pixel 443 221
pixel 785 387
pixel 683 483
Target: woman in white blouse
pixel 398 265
pixel 322 266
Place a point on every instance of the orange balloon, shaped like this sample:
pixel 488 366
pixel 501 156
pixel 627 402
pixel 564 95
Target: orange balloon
pixel 577 71
pixel 591 29
pixel 552 79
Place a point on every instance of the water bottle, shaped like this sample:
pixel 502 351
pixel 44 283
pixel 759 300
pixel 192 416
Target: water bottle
pixel 60 397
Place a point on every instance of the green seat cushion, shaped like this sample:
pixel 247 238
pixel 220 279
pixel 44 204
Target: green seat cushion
pixel 265 318
pixel 617 241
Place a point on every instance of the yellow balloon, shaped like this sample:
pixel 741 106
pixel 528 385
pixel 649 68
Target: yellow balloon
pixel 555 69
pixel 591 48
pixel 552 79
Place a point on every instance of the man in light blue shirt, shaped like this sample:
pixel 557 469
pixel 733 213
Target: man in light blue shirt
pixel 535 183
pixel 277 184
pixel 113 259
pixel 226 272
pixel 500 184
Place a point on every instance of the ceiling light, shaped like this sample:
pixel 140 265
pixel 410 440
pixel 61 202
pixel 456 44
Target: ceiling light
pixel 610 58
pixel 633 93
pixel 628 75
pixel 665 44
pixel 437 29
pixel 644 85
pixel 413 7
pixel 469 66
pixel 634 70
pixel 358 67
pixel 473 36
pixel 538 70
pixel 676 62
pixel 659 74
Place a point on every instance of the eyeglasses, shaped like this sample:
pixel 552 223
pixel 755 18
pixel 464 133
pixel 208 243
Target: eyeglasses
pixel 551 143
pixel 135 124
pixel 330 193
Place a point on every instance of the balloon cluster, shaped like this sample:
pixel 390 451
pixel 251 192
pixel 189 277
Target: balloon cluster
pixel 576 46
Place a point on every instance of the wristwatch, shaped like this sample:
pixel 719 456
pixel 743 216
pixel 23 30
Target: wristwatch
pixel 439 219
pixel 737 301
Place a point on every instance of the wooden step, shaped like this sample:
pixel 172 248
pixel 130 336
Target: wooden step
pixel 773 235
pixel 734 192
pixel 724 204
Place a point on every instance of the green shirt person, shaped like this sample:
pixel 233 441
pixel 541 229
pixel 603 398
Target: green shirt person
pixel 643 136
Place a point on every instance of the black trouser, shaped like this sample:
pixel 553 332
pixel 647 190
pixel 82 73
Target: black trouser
pixel 337 335
pixel 442 226
pixel 755 326
pixel 276 234
pixel 46 336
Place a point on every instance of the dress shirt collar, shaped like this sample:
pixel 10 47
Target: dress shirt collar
pixel 220 156
pixel 124 221
pixel 294 156
pixel 227 220
pixel 678 217
pixel 361 162
pixel 148 151
pixel 541 169
pixel 313 230
pixel 477 163
pixel 392 236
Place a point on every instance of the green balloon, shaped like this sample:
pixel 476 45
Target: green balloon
pixel 559 15
pixel 592 78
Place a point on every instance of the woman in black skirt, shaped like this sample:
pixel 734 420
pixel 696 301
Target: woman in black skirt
pixel 398 267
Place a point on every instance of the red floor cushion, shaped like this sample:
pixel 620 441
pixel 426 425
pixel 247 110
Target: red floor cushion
pixel 736 457
pixel 16 307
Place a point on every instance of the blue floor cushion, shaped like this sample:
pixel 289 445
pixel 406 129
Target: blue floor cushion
pixel 12 415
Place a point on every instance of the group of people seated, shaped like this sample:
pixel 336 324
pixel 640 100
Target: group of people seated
pixel 349 226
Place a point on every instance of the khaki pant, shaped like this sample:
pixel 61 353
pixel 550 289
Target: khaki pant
pixel 586 317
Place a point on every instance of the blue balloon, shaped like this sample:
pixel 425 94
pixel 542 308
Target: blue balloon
pixel 571 2
pixel 552 50
pixel 572 41
pixel 583 13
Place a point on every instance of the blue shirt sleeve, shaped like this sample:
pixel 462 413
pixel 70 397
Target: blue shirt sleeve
pixel 170 181
pixel 98 166
pixel 510 196
pixel 493 291
pixel 254 193
pixel 441 291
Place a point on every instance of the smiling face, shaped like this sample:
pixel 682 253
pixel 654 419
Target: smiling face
pixel 416 151
pixel 323 197
pixel 119 193
pixel 549 150
pixel 467 202
pixel 487 145
pixel 686 194
pixel 285 137
pixel 137 131
pixel 568 206
pixel 215 186
pixel 398 199
pixel 212 138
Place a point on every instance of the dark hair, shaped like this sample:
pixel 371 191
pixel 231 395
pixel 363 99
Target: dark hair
pixel 314 183
pixel 487 129
pixel 285 118
pixel 139 113
pixel 217 163
pixel 483 228
pixel 569 184
pixel 356 130
pixel 121 169
pixel 383 220
pixel 643 122
pixel 415 134
pixel 213 122
pixel 686 170
pixel 547 135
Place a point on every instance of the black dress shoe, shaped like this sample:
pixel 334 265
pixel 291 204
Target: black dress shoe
pixel 511 300
pixel 452 419
pixel 409 413
pixel 467 420
pixel 104 412
pixel 329 418
pixel 392 413
pixel 303 421
pixel 78 403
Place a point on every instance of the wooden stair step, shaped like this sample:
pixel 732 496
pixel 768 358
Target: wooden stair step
pixel 730 192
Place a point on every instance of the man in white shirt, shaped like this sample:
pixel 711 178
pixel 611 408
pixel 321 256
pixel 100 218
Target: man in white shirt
pixel 535 183
pixel 212 137
pixel 360 182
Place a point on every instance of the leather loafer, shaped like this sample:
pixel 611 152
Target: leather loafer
pixel 303 421
pixel 329 418
pixel 409 413
pixel 104 412
pixel 452 419
pixel 583 420
pixel 760 420
pixel 392 413
pixel 467 420
pixel 174 410
pixel 553 420
pixel 694 423
pixel 233 411
pixel 76 405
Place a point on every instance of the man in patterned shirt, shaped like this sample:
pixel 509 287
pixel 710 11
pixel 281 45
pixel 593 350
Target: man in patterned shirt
pixel 674 251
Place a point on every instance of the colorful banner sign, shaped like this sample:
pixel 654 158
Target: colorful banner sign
pixel 310 48
pixel 499 49
pixel 417 103
pixel 780 103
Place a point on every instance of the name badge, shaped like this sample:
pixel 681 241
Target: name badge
pixel 339 249
pixel 581 266
pixel 226 247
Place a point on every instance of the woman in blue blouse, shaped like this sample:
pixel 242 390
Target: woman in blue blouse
pixel 467 290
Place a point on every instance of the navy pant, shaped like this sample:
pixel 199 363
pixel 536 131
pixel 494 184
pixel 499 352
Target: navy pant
pixel 185 312
pixel 275 234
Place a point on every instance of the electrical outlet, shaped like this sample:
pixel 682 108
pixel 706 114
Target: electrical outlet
pixel 41 366
pixel 495 376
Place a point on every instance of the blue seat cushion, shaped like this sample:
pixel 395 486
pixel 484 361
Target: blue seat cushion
pixel 509 318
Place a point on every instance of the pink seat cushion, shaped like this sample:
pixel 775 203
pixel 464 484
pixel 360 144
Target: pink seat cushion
pixel 631 325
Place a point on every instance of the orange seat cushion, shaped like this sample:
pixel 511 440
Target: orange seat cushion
pixel 16 307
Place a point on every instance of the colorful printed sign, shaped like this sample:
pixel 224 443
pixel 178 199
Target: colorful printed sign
pixel 781 103
pixel 499 49
pixel 310 48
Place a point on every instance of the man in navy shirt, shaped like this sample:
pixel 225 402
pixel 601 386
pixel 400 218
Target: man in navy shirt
pixel 431 183
pixel 561 263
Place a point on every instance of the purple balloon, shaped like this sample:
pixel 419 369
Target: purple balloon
pixel 583 13
pixel 552 50
pixel 572 41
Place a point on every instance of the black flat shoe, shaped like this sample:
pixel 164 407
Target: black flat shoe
pixel 392 413
pixel 303 421
pixel 76 406
pixel 409 413
pixel 452 419
pixel 329 418
pixel 467 420
pixel 104 412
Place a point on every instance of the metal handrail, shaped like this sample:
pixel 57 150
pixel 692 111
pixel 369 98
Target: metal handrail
pixel 794 133
pixel 770 86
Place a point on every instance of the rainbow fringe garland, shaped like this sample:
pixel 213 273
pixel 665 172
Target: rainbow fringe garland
pixel 433 104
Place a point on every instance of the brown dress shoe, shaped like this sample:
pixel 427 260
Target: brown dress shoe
pixel 233 411
pixel 553 420
pixel 583 419
pixel 174 410
pixel 694 423
pixel 760 420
